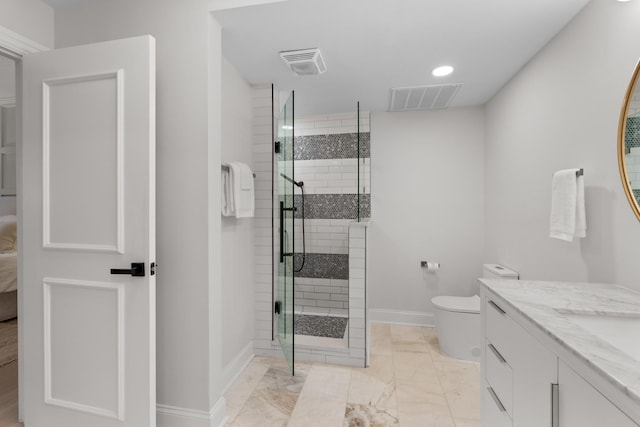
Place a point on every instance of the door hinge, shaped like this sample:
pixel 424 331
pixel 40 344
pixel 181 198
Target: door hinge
pixel 277 147
pixel 276 307
pixel 152 269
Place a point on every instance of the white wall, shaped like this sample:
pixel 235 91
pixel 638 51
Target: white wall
pixel 188 348
pixel 238 309
pixel 562 111
pixel 427 187
pixel 30 18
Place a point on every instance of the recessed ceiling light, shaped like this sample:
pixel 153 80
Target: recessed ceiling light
pixel 445 70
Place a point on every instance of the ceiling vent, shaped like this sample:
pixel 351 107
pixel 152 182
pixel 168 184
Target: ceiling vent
pixel 423 97
pixel 306 62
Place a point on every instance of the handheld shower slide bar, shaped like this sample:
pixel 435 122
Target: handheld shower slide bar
pixel 300 185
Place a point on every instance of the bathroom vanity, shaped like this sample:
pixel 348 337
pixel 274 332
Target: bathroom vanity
pixel 560 354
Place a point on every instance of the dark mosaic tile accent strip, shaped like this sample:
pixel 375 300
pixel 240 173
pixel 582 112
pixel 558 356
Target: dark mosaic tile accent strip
pixel 632 136
pixel 333 206
pixel 320 326
pixel 322 266
pixel 636 194
pixel 336 146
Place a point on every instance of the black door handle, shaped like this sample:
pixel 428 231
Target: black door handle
pixel 282 242
pixel 281 231
pixel 137 270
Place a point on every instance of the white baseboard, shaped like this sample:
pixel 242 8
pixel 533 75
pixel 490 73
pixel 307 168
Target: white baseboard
pixel 401 317
pixel 234 368
pixel 171 416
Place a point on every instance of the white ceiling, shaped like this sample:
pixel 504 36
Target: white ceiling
pixel 371 46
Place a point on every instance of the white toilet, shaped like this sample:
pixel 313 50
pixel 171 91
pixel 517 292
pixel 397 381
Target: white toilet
pixel 458 318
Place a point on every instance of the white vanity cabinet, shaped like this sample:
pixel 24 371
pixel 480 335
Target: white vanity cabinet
pixel 517 370
pixel 526 383
pixel 582 405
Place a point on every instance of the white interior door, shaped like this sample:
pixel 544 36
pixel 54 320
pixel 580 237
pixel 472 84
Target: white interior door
pixel 89 207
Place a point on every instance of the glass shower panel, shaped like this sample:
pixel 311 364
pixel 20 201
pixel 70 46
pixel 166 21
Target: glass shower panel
pixel 285 289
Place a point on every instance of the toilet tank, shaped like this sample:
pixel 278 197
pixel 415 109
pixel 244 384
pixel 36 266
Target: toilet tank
pixel 495 271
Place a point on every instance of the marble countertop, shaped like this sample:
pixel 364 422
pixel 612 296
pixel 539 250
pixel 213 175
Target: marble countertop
pixel 549 305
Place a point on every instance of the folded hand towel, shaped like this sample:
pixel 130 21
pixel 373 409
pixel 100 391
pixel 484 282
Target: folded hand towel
pixel 243 190
pixel 581 215
pixel 227 193
pixel 567 206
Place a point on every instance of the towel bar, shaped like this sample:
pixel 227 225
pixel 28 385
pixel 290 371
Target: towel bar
pixel 580 172
pixel 226 168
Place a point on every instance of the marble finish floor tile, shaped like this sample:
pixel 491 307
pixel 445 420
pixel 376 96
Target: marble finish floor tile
pixel 323 399
pixel 358 415
pixel 409 383
pixel 243 387
pixel 273 398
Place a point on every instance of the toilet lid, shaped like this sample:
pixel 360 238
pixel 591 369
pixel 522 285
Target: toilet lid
pixel 458 304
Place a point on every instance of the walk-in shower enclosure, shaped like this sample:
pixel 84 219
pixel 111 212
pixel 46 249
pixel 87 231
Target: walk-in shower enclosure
pixel 328 156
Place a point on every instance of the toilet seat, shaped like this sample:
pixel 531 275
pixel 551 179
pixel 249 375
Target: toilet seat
pixel 458 304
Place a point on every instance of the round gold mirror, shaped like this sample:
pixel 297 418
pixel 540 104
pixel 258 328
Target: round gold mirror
pixel 629 143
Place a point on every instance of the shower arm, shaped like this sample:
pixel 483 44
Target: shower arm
pixel 291 180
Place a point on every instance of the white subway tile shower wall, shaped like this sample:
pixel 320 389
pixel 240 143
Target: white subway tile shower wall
pixel 357 292
pixel 326 161
pixel 324 236
pixel 333 176
pixel 331 124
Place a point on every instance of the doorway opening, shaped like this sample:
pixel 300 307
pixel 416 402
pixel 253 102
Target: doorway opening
pixel 8 244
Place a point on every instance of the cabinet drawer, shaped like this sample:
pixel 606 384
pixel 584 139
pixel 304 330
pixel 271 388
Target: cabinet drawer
pixel 499 376
pixel 501 329
pixel 493 414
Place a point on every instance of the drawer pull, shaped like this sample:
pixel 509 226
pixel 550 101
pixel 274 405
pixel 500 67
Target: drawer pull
pixel 497 307
pixel 497 400
pixel 497 353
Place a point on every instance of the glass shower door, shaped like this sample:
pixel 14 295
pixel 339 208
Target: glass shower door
pixel 285 291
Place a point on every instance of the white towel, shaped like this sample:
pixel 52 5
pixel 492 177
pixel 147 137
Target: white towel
pixel 241 185
pixel 568 218
pixel 227 194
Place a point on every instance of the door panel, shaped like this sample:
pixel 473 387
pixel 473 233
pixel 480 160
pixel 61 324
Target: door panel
pixel 90 381
pixel 285 292
pixel 83 214
pixel 89 207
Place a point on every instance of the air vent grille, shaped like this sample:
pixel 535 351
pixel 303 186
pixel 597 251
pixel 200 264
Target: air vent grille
pixel 423 97
pixel 306 62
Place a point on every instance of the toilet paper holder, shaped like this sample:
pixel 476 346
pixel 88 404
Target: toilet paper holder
pixel 430 265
